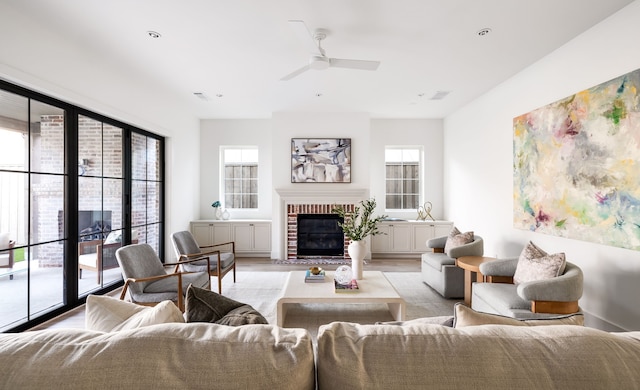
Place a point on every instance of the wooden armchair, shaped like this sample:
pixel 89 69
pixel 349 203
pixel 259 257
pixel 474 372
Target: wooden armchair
pixel 221 261
pixel 147 281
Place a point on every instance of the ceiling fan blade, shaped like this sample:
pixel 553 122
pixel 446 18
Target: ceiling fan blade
pixel 354 64
pixel 301 30
pixel 295 73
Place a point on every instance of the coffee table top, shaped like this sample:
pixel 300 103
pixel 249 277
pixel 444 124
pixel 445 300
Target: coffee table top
pixel 374 287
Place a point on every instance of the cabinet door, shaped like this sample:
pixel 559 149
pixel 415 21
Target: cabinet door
pixel 401 237
pixel 262 237
pixel 221 232
pixel 381 243
pixel 202 232
pixel 422 233
pixel 243 236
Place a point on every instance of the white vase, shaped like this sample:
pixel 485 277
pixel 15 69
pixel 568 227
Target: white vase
pixel 226 215
pixel 357 251
pixel 218 213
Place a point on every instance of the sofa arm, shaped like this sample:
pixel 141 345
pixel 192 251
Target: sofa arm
pixel 437 242
pixel 475 248
pixel 564 288
pixel 500 267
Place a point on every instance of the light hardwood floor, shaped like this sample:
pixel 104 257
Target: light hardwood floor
pixel 75 317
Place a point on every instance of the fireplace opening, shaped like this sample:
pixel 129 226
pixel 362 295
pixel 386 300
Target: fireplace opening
pixel 320 235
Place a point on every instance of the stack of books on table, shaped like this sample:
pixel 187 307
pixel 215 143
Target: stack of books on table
pixel 349 287
pixel 314 277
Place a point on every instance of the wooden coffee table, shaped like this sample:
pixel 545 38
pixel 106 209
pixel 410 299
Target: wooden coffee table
pixel 374 288
pixel 471 267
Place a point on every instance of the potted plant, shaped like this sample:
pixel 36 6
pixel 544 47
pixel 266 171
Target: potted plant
pixel 358 225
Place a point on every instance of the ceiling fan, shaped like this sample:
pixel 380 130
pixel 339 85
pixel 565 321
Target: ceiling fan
pixel 318 59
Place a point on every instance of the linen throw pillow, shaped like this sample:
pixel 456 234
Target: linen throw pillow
pixel 107 314
pixel 536 264
pixel 455 239
pixel 465 316
pixel 203 305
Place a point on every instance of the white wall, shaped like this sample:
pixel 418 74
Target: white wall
pixel 273 137
pixel 478 164
pixel 43 61
pixel 234 132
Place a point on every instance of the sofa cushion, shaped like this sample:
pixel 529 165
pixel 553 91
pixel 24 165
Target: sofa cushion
pixel 503 297
pixel 164 356
pixel 456 239
pixel 439 320
pixel 465 316
pixel 488 357
pixel 536 264
pixel 203 305
pixel 108 314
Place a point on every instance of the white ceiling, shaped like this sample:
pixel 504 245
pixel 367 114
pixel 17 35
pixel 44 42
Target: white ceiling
pixel 240 49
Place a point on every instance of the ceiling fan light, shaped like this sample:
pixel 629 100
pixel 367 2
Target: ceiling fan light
pixel 318 62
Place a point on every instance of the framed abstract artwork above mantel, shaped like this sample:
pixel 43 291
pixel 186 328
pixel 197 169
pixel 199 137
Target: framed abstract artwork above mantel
pixel 577 165
pixel 321 160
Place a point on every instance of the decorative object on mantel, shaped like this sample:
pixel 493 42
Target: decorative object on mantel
pixel 576 168
pixel 357 227
pixel 217 213
pixel 424 212
pixel 225 214
pixel 321 160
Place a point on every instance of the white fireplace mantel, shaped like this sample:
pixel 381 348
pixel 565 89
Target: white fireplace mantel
pixel 308 195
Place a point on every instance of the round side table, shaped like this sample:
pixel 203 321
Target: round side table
pixel 471 267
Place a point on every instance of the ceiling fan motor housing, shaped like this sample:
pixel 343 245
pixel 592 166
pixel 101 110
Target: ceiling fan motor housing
pixel 319 62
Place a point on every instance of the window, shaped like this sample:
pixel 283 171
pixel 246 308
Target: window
pixel 403 166
pixel 240 176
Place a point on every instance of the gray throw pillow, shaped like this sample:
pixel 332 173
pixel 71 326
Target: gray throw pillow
pixel 203 305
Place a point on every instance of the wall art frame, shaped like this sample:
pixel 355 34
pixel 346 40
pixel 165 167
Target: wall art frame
pixel 577 165
pixel 321 160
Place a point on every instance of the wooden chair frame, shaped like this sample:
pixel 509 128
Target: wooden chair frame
pixel 175 273
pixel 218 272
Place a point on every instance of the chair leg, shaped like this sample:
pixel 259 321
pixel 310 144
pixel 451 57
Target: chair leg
pixel 234 271
pixel 219 285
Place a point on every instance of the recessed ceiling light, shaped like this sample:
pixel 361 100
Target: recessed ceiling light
pixel 483 32
pixel 154 34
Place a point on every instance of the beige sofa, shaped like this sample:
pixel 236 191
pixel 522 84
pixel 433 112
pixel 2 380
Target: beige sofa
pixel 349 356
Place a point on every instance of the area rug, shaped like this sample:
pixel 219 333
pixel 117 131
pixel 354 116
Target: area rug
pixel 312 261
pixel 262 290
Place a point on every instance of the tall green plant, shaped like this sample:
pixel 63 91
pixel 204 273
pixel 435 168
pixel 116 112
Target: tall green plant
pixel 357 226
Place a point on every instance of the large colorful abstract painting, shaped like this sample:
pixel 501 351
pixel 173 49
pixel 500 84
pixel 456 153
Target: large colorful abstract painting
pixel 577 165
pixel 321 160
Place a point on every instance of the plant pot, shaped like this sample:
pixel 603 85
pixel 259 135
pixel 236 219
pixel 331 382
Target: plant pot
pixel 357 251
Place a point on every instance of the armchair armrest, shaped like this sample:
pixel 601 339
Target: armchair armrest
pixel 437 242
pixel 152 278
pixel 475 248
pixel 564 288
pixel 190 258
pixel 500 267
pixel 232 243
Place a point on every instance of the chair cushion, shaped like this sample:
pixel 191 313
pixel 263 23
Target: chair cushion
pixel 114 237
pixel 465 316
pixel 503 297
pixel 203 305
pixel 89 259
pixel 437 260
pixel 200 279
pixel 536 264
pixel 226 260
pixel 456 239
pixel 107 314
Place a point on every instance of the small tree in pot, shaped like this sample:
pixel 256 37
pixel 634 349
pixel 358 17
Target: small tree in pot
pixel 357 225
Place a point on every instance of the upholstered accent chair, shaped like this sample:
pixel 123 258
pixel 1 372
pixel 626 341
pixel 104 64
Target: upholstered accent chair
pixel 218 259
pixel 439 270
pixel 531 299
pixel 147 281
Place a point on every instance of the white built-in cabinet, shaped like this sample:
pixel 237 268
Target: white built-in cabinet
pixel 407 238
pixel 252 237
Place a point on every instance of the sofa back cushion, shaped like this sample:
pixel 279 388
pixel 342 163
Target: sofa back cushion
pixel 492 356
pixel 466 316
pixel 165 356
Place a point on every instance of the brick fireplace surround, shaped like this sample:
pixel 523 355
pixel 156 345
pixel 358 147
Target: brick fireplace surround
pixel 294 201
pixel 292 224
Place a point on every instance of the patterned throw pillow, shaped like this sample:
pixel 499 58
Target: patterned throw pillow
pixel 465 316
pixel 457 239
pixel 536 264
